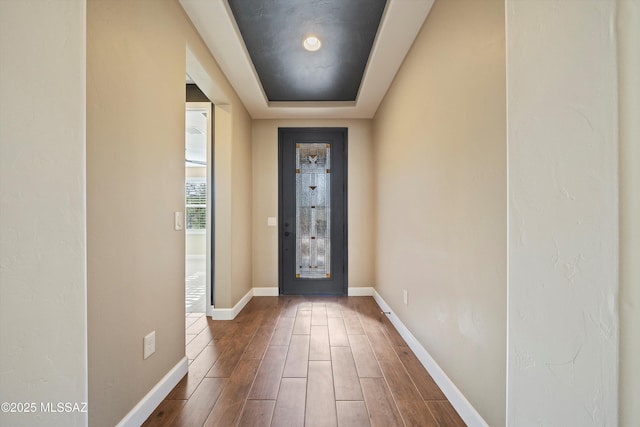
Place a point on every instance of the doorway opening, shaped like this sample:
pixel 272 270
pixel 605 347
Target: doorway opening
pixel 199 219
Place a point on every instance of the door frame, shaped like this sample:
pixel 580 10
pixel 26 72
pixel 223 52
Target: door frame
pixel 210 231
pixel 345 253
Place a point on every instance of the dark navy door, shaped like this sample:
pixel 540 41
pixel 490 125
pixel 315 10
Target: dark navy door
pixel 313 210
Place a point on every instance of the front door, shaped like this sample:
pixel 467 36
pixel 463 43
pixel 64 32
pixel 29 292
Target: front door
pixel 313 211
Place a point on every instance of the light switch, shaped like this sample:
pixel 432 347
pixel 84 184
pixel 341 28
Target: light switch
pixel 178 221
pixel 272 221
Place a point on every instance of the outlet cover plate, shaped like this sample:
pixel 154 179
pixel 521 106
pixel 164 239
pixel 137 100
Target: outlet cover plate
pixel 149 345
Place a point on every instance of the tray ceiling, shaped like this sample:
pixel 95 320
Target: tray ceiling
pixel 259 46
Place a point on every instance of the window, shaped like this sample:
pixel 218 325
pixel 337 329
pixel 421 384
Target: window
pixel 196 204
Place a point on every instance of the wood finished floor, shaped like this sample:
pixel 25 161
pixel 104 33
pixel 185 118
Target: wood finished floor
pixel 303 361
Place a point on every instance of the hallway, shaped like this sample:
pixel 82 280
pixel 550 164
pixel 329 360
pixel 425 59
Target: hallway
pixel 294 361
pixel 493 206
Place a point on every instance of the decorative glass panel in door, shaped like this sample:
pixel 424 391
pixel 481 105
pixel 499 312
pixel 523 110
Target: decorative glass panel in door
pixel 313 210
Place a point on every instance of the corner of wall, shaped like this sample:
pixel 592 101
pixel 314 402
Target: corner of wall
pixel 628 39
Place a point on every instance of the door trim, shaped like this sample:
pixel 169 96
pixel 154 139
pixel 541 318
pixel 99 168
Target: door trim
pixel 345 255
pixel 208 107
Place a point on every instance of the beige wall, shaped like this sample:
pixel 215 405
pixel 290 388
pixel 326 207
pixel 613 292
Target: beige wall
pixel 136 62
pixel 360 199
pixel 222 193
pixel 628 24
pixel 441 195
pixel 43 335
pixel 241 196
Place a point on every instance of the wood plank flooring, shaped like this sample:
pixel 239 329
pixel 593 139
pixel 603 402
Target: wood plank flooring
pixel 302 361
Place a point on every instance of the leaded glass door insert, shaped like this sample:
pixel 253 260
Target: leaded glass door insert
pixel 313 210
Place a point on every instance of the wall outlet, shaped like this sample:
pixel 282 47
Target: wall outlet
pixel 149 345
pixel 405 296
pixel 272 221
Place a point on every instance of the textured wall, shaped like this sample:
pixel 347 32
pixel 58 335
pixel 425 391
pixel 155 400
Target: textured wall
pixel 360 203
pixel 43 336
pixel 440 184
pixel 563 217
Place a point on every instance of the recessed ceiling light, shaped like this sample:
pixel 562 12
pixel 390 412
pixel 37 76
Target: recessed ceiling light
pixel 312 43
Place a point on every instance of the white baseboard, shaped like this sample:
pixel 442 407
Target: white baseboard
pixel 231 313
pixel 270 291
pixel 156 395
pixel 468 413
pixel 361 292
pixel 266 292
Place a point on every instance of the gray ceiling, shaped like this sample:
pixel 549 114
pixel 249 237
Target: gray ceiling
pixel 273 31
